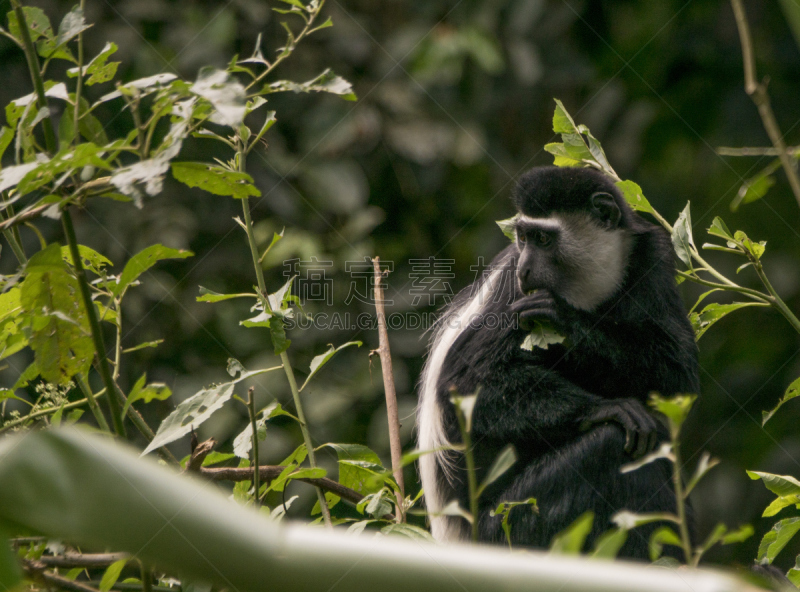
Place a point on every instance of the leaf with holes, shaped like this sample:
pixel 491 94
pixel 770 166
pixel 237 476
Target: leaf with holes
pixel 326 82
pixel 91 259
pixel 59 328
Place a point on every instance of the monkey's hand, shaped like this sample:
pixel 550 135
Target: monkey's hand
pixel 539 306
pixel 641 428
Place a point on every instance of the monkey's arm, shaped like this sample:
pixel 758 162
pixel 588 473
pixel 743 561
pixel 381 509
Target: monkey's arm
pixel 622 350
pixel 530 404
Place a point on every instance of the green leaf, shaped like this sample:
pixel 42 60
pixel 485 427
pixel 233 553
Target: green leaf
pixel 276 236
pixel 543 335
pixel 576 148
pixel 59 328
pixel 660 537
pixel 359 468
pixel 144 345
pixel 71 25
pixel 570 541
pixel 682 239
pixel 776 539
pixel 794 573
pixel 10 573
pixel 192 412
pixel 609 543
pixel 504 461
pixel 91 259
pixel 705 464
pixel 508 227
pixel 720 229
pixel 141 262
pixel 37 21
pixel 6 135
pixel 779 503
pixel 243 443
pixel 326 82
pixel 140 392
pixel 791 392
pixel 111 575
pixel 739 535
pixel 99 69
pixel 676 408
pixel 634 196
pixel 296 3
pixel 332 500
pixel 702 321
pixel 757 186
pixel 781 485
pixel 207 295
pixel 319 361
pixel 562 121
pixel 408 530
pixel 215 179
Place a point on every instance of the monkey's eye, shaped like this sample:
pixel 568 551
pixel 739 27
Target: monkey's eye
pixel 543 239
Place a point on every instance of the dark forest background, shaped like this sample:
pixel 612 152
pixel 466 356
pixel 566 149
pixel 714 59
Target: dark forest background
pixel 455 101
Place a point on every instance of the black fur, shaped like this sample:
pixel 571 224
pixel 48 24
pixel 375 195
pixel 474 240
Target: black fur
pixel 637 341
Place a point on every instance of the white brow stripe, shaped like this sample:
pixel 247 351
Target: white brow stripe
pixel 549 223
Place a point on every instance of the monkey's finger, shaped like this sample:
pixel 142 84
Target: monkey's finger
pixel 644 443
pixel 653 441
pixel 628 440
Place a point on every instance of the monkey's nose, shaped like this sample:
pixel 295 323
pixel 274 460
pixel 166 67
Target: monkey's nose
pixel 525 278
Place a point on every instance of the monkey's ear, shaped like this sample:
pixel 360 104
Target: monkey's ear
pixel 605 207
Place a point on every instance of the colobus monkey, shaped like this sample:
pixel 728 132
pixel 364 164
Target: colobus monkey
pixel 603 277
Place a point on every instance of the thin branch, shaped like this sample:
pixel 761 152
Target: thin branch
pixel 755 151
pixel 287 366
pixel 251 408
pixel 36 570
pixel 36 76
pixel 758 93
pixel 388 387
pixel 82 559
pixel 94 324
pixel 269 472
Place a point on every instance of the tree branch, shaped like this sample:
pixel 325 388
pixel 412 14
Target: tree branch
pixel 758 93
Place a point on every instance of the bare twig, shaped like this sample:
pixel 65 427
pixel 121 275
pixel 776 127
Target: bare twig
pixel 758 93
pixel 755 151
pixel 82 559
pixel 388 386
pixel 199 454
pixel 36 570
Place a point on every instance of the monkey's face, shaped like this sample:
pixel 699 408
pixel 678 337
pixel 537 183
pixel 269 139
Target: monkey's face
pixel 580 256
